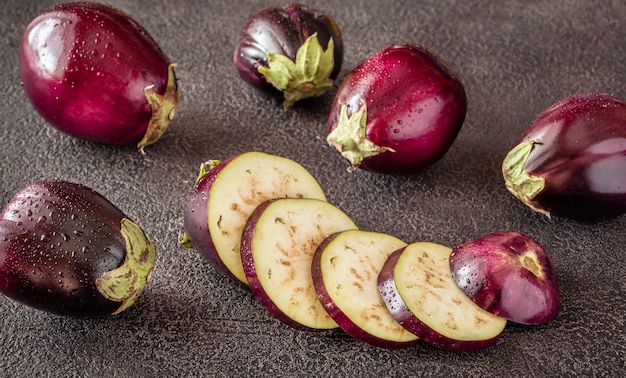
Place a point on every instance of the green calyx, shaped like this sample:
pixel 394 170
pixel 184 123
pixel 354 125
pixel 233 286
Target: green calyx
pixel 308 76
pixel 349 137
pixel 125 283
pixel 185 240
pixel 163 108
pixel 206 167
pixel 519 182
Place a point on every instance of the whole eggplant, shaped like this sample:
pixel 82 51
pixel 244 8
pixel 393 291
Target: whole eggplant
pixel 399 111
pixel 571 160
pixel 93 72
pixel 67 250
pixel 294 49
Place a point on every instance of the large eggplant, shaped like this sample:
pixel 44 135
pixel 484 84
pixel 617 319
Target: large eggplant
pixel 571 161
pixel 95 73
pixel 67 250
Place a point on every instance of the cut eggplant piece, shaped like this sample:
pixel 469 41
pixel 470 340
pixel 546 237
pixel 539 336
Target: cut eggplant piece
pixel 277 248
pixel 508 274
pixel 227 192
pixel 345 269
pixel 420 292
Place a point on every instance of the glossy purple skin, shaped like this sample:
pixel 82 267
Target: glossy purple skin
pixel 84 67
pixel 282 31
pixel 408 320
pixel 489 270
pixel 335 312
pixel 416 105
pixel 581 154
pixel 196 219
pixel 56 239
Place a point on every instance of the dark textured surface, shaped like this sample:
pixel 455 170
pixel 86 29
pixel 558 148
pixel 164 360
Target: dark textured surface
pixel 515 58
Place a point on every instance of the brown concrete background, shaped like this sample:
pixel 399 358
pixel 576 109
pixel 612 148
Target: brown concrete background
pixel 515 58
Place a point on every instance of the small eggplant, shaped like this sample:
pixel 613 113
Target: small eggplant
pixel 571 161
pixel 399 111
pixel 509 275
pixel 296 50
pixel 94 73
pixel 67 250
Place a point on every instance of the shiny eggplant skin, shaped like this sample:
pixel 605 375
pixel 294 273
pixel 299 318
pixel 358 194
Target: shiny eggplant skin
pixel 283 31
pixel 398 112
pixel 508 274
pixel 67 250
pixel 93 72
pixel 571 161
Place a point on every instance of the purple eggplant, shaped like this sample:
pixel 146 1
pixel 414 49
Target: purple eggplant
pixel 295 49
pixel 93 72
pixel 67 250
pixel 399 111
pixel 571 161
pixel 508 274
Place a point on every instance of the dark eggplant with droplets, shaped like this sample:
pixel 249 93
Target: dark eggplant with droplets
pixel 95 73
pixel 67 250
pixel 294 50
pixel 571 160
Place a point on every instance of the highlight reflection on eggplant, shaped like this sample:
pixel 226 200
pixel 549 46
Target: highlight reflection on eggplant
pixel 93 72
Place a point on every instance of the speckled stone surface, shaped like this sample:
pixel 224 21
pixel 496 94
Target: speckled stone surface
pixel 515 58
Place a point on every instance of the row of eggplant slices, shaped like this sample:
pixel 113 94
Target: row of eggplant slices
pixel 264 220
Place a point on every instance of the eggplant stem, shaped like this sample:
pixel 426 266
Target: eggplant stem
pixel 185 240
pixel 520 183
pixel 349 137
pixel 125 283
pixel 307 76
pixel 530 262
pixel 206 167
pixel 163 108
